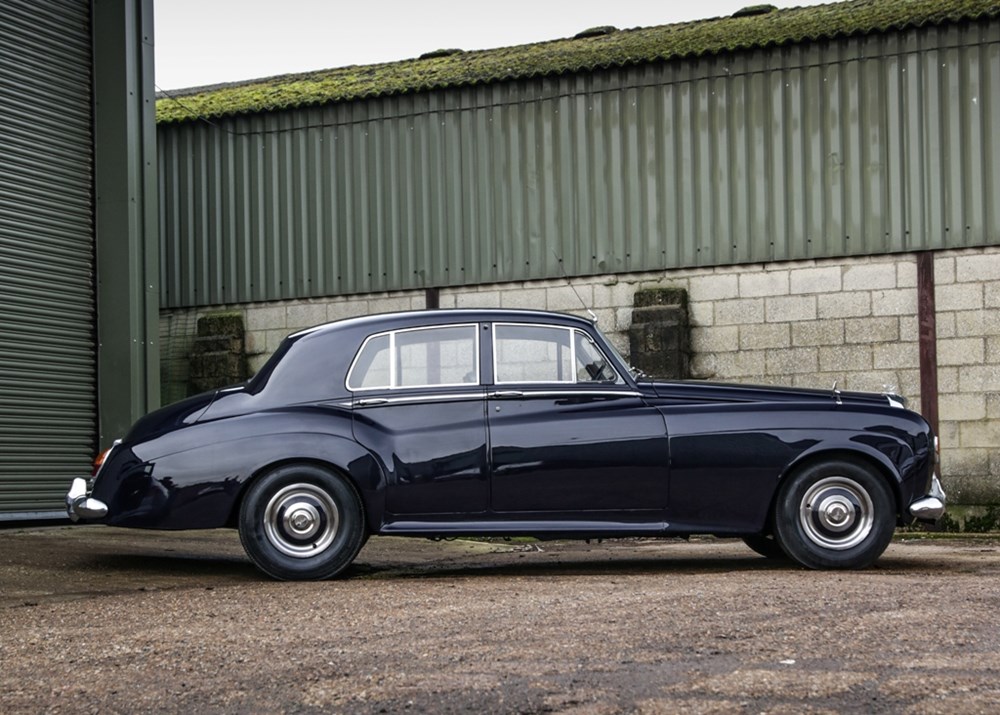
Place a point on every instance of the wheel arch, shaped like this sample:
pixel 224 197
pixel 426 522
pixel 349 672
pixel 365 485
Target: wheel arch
pixel 366 493
pixel 874 460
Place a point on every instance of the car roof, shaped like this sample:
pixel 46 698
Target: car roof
pixel 290 375
pixel 392 321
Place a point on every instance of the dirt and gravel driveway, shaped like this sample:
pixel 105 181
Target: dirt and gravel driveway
pixel 100 620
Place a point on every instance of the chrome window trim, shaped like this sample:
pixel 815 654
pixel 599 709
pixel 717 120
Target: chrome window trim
pixel 392 359
pixel 483 394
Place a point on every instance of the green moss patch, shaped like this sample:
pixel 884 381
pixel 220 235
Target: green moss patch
pixel 617 49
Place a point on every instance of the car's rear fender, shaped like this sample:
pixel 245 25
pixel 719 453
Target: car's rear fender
pixel 199 486
pixel 345 458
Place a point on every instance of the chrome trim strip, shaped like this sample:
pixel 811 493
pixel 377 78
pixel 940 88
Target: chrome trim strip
pixel 577 393
pixel 379 401
pixel 893 402
pixel 494 395
pixel 532 526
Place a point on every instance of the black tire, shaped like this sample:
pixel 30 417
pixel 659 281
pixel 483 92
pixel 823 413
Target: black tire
pixel 301 522
pixel 835 515
pixel 767 546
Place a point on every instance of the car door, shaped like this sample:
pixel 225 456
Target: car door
pixel 419 407
pixel 568 434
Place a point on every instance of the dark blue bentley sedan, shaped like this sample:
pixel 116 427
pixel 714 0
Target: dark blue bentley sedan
pixel 497 422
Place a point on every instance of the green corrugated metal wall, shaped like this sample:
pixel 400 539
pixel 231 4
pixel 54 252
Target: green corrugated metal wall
pixel 47 346
pixel 866 144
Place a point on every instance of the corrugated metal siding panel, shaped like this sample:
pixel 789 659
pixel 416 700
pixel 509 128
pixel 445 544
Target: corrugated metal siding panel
pixel 871 144
pixel 47 390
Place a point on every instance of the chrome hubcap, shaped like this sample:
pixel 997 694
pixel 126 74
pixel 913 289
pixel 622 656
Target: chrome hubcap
pixel 836 513
pixel 301 520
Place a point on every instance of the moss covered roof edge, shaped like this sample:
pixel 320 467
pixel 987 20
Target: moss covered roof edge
pixel 615 49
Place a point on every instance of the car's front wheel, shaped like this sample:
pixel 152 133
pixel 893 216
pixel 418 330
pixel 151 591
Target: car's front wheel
pixel 301 522
pixel 837 514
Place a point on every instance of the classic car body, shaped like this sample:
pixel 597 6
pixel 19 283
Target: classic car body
pixel 491 422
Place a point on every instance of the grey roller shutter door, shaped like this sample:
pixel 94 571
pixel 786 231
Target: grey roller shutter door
pixel 47 345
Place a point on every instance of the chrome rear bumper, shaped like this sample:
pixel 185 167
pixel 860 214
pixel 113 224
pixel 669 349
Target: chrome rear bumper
pixel 931 507
pixel 80 505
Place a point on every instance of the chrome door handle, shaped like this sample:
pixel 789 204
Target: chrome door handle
pixel 507 393
pixel 368 401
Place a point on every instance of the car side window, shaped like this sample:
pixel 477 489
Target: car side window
pixel 372 366
pixel 591 364
pixel 541 353
pixel 419 357
pixel 532 353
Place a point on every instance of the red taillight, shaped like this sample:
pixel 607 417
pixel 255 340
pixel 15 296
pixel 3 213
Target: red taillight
pixel 99 460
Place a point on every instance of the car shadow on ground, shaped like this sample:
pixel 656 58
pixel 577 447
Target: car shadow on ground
pixel 558 560
pixel 231 568
pixel 612 563
pixel 235 568
pixel 568 567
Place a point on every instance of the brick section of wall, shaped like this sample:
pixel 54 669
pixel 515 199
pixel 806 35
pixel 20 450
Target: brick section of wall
pixel 803 323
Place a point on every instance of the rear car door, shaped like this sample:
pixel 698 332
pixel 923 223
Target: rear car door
pixel 419 407
pixel 568 434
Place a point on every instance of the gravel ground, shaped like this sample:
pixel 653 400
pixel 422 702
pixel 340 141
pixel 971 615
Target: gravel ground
pixel 94 619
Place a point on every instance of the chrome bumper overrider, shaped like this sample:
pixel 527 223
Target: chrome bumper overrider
pixel 80 505
pixel 930 507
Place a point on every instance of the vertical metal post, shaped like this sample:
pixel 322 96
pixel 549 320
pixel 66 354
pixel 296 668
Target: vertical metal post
pixel 126 218
pixel 432 298
pixel 927 327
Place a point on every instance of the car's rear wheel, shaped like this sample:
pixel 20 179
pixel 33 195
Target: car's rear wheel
pixel 301 522
pixel 837 514
pixel 765 545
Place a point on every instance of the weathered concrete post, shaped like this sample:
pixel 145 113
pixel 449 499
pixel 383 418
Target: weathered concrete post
pixel 218 354
pixel 659 337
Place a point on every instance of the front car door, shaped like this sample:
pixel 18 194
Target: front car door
pixel 568 434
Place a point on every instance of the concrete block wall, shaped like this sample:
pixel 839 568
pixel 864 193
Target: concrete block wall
pixel 805 323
